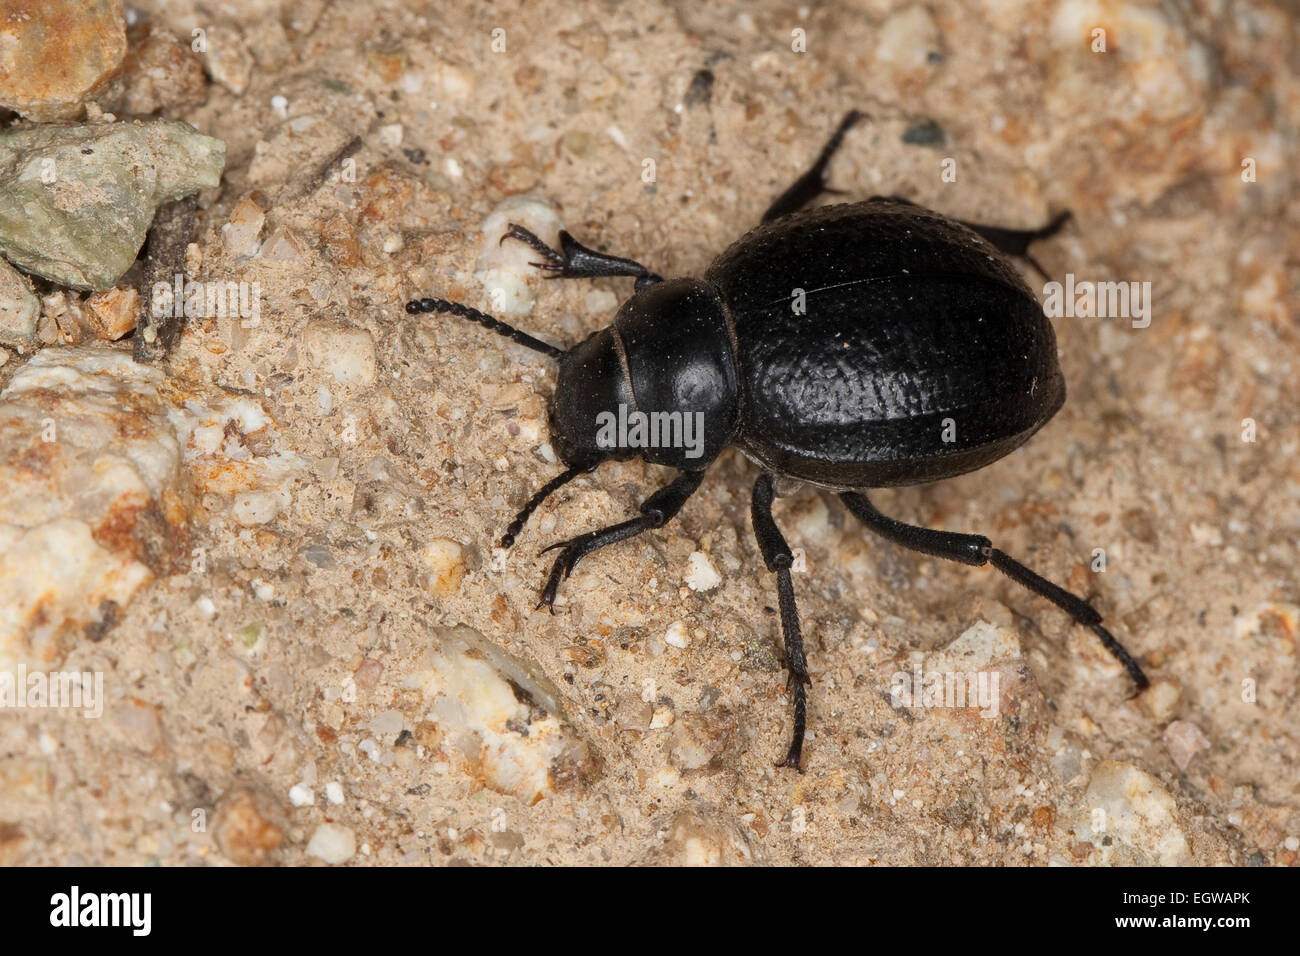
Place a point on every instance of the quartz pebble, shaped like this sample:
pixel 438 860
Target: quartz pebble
pixel 113 313
pixel 446 563
pixel 346 353
pixel 333 843
pixel 1129 817
pixel 701 575
pixel 1184 740
pixel 504 267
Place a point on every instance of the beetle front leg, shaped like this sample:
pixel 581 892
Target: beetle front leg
pixel 575 261
pixel 656 511
pixel 977 550
pixel 778 557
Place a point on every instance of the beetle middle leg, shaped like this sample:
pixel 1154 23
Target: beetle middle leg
pixel 977 550
pixel 656 511
pixel 778 557
pixel 573 260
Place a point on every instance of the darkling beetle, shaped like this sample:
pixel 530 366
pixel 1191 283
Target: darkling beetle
pixel 860 345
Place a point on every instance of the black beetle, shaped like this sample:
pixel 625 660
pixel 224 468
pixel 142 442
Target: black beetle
pixel 860 345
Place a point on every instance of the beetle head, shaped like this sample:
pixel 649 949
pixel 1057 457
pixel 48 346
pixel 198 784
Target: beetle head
pixel 591 385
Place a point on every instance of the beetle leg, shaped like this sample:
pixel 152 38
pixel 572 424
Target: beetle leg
pixel 977 550
pixel 656 511
pixel 778 557
pixel 573 260
pixel 813 182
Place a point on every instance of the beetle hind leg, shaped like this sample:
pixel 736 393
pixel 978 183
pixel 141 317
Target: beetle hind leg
pixel 573 260
pixel 1014 242
pixel 778 558
pixel 813 182
pixel 977 550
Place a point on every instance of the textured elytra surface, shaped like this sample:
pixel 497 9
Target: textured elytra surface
pixel 880 344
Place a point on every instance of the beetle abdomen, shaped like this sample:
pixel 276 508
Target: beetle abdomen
pixel 881 344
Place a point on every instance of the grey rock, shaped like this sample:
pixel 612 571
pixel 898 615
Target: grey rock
pixel 76 201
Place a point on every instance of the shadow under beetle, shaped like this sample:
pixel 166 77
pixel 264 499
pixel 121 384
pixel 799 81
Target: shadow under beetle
pixel 853 346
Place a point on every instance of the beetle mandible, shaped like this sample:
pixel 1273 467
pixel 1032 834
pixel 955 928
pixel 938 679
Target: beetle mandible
pixel 853 346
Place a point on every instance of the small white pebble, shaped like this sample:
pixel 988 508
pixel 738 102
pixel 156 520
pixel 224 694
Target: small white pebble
pixel 280 104
pixel 333 843
pixel 206 608
pixel 334 792
pixel 677 635
pixel 301 796
pixel 701 575
pixel 601 300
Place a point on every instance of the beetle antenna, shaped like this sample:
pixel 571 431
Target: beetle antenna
pixel 543 493
pixel 416 306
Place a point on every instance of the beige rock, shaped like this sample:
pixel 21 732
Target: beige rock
pixel 226 58
pixel 100 458
pixel 1184 740
pixel 332 843
pixel 1160 700
pixel 696 838
pixel 160 73
pixel 346 353
pixel 446 563
pixel 1136 813
pixel 19 308
pixel 907 38
pixel 113 313
pixel 500 718
pixel 241 234
pixel 63 319
pixel 282 246
pixel 245 830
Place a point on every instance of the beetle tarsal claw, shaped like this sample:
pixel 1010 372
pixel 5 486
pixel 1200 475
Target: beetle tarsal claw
pixel 554 258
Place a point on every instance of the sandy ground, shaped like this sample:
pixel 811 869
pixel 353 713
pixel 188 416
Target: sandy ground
pixel 304 695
